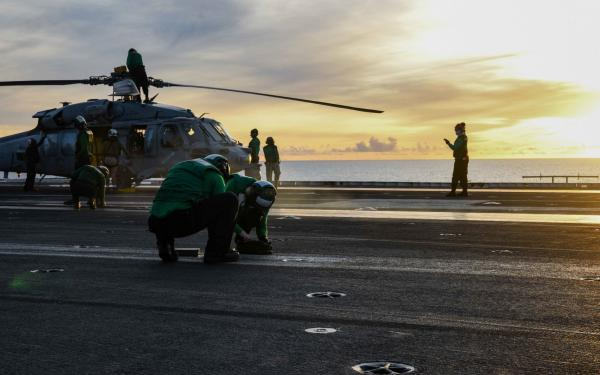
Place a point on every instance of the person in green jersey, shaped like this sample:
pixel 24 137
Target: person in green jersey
pixel 461 160
pixel 272 161
pixel 89 181
pixel 254 146
pixel 84 142
pixel 136 67
pixel 256 199
pixel 191 198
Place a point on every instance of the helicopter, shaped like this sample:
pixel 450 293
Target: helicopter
pixel 155 136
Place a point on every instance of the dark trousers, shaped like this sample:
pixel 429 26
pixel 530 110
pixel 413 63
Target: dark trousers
pixel 217 213
pixel 30 177
pixel 138 73
pixel 273 169
pixel 249 218
pixel 459 174
pixel 83 189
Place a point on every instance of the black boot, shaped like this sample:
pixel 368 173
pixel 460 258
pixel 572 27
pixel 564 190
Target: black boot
pixel 451 194
pixel 166 249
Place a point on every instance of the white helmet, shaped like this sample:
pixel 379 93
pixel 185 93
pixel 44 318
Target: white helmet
pixel 113 133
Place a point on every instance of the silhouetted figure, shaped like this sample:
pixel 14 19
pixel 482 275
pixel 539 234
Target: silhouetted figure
pixel 254 145
pixel 83 145
pixel 89 181
pixel 272 161
pixel 136 68
pixel 32 158
pixel 461 160
pixel 112 150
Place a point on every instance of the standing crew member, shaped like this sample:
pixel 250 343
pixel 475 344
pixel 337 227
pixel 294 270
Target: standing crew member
pixel 254 145
pixel 32 157
pixel 112 149
pixel 256 199
pixel 136 67
pixel 83 146
pixel 89 181
pixel 192 197
pixel 461 161
pixel 272 161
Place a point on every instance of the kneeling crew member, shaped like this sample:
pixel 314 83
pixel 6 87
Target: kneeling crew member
pixel 192 197
pixel 90 182
pixel 256 199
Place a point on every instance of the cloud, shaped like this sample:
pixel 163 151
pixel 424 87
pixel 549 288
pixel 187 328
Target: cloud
pixel 294 150
pixel 373 145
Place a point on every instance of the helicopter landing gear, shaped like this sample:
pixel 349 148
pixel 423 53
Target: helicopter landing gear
pixel 122 177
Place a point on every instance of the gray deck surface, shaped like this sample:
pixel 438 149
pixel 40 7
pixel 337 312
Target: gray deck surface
pixel 445 296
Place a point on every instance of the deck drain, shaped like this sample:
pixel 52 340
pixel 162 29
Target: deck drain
pixel 320 330
pixel 326 295
pixel 48 270
pixel 590 278
pixel 383 367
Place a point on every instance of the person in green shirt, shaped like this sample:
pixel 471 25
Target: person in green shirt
pixel 89 181
pixel 191 198
pixel 136 67
pixel 461 160
pixel 272 161
pixel 83 144
pixel 254 146
pixel 256 199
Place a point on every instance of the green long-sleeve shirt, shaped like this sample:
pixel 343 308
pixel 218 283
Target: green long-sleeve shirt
pixel 92 176
pixel 254 146
pixel 271 154
pixel 134 59
pixel 187 182
pixel 237 184
pixel 83 147
pixel 460 147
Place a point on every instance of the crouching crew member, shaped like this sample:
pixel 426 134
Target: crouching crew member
pixel 256 198
pixel 89 181
pixel 461 161
pixel 192 197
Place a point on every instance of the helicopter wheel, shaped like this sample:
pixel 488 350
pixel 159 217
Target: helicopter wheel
pixel 123 178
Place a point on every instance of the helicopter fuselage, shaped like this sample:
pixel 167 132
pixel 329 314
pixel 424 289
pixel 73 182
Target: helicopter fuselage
pixel 153 136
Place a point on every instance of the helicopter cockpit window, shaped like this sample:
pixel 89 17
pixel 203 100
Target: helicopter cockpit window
pixel 170 138
pixel 219 128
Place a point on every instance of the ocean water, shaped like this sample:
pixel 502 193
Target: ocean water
pixel 493 170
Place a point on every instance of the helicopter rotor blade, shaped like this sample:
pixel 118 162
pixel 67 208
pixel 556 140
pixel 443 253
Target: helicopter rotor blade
pixel 47 82
pixel 159 83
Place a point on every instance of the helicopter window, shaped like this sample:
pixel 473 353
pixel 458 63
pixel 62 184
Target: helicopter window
pixel 193 134
pixel 219 128
pixel 169 137
pixel 135 140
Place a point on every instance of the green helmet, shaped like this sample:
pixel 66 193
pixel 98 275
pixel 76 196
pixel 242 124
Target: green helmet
pixel 104 170
pixel 261 193
pixel 221 163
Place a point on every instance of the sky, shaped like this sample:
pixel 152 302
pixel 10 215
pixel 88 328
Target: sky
pixel 523 75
